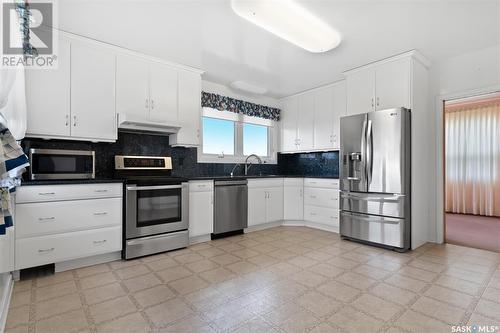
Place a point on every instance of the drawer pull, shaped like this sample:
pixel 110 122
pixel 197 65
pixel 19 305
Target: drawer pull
pixel 202 185
pixel 312 196
pixel 312 214
pixel 101 191
pixel 100 242
pixel 100 213
pixel 46 193
pixel 46 250
pixel 44 219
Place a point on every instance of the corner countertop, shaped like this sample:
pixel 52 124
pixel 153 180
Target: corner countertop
pixel 70 181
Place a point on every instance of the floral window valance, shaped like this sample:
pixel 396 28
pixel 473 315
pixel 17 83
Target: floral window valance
pixel 224 103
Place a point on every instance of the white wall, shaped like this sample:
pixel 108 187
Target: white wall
pixel 465 75
pixel 223 90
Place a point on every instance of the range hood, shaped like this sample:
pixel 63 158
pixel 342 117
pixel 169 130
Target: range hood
pixel 127 123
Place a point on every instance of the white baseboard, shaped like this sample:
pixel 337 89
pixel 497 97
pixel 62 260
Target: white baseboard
pixel 199 239
pixel 88 261
pixel 5 301
pixel 263 226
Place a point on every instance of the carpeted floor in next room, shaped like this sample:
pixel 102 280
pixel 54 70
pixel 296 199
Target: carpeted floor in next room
pixel 480 232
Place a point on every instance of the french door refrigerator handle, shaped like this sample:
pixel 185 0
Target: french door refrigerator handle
pixel 369 153
pixel 363 148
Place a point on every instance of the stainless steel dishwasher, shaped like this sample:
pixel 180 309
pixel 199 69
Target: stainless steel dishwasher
pixel 230 207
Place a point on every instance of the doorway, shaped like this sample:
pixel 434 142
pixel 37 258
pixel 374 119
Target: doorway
pixel 472 171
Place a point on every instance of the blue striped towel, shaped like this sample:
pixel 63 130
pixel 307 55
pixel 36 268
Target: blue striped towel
pixel 13 163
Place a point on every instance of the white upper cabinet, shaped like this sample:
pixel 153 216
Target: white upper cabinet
pixel 305 125
pixel 339 110
pixel 361 91
pixel 189 109
pixel 323 117
pixel 288 121
pixel 93 113
pixel 392 84
pixel 379 86
pixel 310 121
pixel 132 86
pixel 162 94
pixel 48 97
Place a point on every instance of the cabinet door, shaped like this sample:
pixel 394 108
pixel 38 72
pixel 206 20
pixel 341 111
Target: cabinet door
pixel 256 206
pixel 48 97
pixel 293 203
pixel 361 91
pixel 323 118
pixel 274 204
pixel 305 123
pixel 201 213
pixel 288 121
pixel 163 93
pixel 93 113
pixel 189 112
pixel 393 84
pixel 132 87
pixel 339 110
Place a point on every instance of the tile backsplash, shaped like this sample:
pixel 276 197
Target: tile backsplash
pixel 184 159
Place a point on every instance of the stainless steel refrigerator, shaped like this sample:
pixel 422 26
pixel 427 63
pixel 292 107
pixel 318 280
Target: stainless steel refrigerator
pixel 375 178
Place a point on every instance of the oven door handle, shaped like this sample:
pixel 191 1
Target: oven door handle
pixel 159 187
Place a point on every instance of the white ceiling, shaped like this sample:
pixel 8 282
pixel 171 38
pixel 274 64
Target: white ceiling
pixel 207 34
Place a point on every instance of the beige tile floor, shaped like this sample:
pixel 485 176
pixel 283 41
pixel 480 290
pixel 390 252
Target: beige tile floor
pixel 285 279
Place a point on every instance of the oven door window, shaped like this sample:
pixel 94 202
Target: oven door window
pixel 158 206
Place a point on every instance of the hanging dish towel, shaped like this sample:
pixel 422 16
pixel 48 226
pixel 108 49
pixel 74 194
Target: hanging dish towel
pixel 13 163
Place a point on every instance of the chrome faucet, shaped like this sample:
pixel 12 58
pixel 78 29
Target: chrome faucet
pixel 248 165
pixel 234 168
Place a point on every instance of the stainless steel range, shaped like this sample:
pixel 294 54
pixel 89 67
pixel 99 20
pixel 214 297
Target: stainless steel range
pixel 156 206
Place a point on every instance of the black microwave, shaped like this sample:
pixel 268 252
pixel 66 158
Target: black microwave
pixel 61 164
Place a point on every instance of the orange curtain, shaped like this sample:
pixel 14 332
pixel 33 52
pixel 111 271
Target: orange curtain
pixel 472 153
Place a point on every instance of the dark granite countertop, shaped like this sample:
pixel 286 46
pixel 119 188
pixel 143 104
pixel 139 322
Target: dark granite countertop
pixel 257 177
pixel 70 181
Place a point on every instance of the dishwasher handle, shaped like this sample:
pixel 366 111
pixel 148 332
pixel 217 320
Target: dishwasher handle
pixel 230 182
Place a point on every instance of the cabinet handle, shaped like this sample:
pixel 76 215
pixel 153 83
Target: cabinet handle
pixel 152 104
pixel 312 214
pixel 43 219
pixel 312 196
pixel 46 193
pixel 147 104
pixel 101 191
pixel 300 192
pixel 378 101
pixel 100 241
pixel 202 185
pixel 74 120
pixel 372 103
pixel 46 250
pixel 66 123
pixel 101 213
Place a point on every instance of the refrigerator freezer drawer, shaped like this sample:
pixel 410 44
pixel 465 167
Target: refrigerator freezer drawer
pixel 375 229
pixel 378 204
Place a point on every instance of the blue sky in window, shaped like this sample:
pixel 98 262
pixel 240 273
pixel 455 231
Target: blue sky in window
pixel 218 136
pixel 254 140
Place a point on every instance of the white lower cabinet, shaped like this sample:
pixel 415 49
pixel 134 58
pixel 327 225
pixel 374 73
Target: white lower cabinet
pixel 321 202
pixel 293 199
pixel 265 201
pixel 36 251
pixel 56 223
pixel 7 251
pixel 201 208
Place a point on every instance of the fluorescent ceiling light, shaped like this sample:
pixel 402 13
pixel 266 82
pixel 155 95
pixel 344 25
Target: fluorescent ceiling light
pixel 290 21
pixel 248 87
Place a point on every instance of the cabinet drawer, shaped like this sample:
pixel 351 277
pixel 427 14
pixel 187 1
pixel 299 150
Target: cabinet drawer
pixel 293 182
pixel 43 218
pixel 321 215
pixel 201 186
pixel 41 193
pixel 321 182
pixel 270 182
pixel 31 252
pixel 322 197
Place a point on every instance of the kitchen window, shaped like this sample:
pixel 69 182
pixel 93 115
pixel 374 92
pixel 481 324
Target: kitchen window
pixel 228 137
